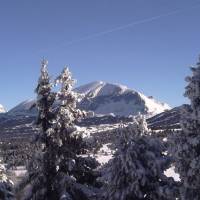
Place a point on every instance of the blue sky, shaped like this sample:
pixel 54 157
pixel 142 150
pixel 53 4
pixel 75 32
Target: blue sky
pixel 147 45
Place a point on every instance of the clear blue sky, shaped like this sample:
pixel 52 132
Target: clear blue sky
pixel 144 44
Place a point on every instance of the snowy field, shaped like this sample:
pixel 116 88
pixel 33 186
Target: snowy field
pixel 103 135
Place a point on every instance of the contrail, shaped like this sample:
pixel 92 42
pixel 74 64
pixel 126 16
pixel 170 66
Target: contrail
pixel 129 25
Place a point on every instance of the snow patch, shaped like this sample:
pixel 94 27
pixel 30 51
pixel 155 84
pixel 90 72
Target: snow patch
pixel 171 173
pixel 104 154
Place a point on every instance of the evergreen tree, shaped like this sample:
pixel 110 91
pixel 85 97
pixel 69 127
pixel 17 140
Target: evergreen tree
pixel 58 171
pixel 75 173
pixel 6 186
pixel 186 144
pixel 137 170
pixel 41 168
pixel 45 100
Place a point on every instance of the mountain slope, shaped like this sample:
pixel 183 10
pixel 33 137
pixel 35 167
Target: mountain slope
pixel 105 98
pixel 167 120
pixel 24 108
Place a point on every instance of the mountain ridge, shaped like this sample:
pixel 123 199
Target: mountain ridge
pixel 105 98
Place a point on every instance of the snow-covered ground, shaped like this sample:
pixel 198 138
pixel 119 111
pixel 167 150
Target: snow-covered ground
pixel 104 154
pixel 104 135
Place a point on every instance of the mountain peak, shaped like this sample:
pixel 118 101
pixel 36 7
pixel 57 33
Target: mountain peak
pixel 101 88
pixel 2 109
pixel 88 88
pixel 103 98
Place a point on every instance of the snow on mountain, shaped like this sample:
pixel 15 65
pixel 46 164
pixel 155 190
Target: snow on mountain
pixel 105 98
pixel 154 106
pixel 100 88
pixel 87 88
pixel 2 109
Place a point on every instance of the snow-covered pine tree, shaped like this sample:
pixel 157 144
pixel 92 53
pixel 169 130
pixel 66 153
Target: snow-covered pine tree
pixel 137 170
pixel 186 144
pixel 45 101
pixel 42 167
pixel 6 186
pixel 57 171
pixel 74 173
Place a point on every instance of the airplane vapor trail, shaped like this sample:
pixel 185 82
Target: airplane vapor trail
pixel 129 25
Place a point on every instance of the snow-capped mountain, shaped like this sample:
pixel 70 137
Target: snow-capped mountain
pixel 2 109
pixel 105 98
